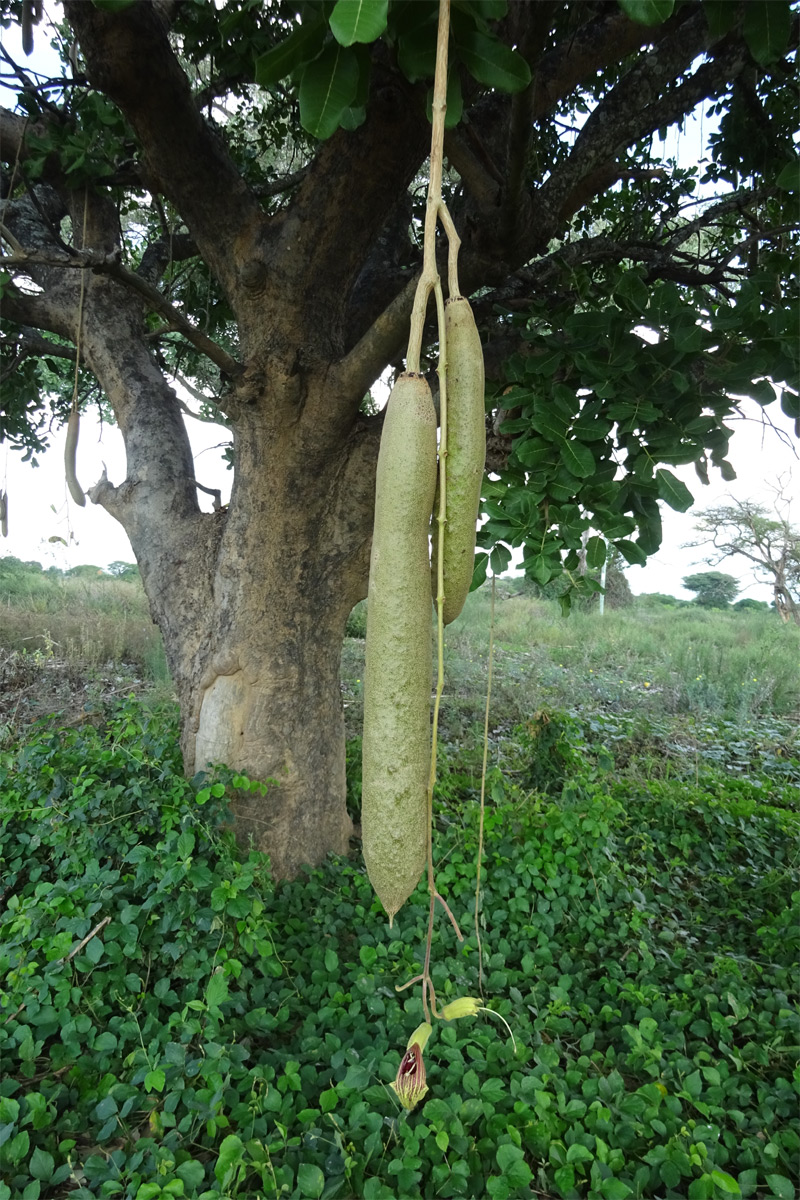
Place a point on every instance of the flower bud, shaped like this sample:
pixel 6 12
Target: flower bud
pixel 465 1006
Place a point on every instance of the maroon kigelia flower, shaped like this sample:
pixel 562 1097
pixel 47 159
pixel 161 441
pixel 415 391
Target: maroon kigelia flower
pixel 409 1085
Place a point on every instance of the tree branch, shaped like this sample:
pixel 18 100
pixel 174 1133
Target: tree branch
pixel 382 342
pixel 130 60
pixel 639 104
pixel 31 344
pixel 109 264
pixel 607 39
pixel 339 210
pixel 535 24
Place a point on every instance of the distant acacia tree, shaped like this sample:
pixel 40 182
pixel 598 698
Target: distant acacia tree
pixel 123 570
pixel 714 590
pixel 766 539
pixel 85 571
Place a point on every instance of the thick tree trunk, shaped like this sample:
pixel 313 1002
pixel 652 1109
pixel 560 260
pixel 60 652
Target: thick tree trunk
pixel 784 603
pixel 274 712
pixel 252 604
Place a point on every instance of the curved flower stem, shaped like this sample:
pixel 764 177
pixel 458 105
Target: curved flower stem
pixel 430 275
pixel 453 247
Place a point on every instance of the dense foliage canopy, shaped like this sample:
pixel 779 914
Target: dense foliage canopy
pixel 628 296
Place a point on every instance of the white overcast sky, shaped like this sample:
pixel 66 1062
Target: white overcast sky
pixel 40 508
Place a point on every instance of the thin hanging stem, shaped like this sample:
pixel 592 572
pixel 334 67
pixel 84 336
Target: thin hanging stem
pixel 430 275
pixel 483 792
pixel 80 305
pixel 453 247
pixel 430 282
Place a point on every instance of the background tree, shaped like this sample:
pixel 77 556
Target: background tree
pixel 766 539
pixel 230 198
pixel 617 588
pixel 714 590
pixel 123 570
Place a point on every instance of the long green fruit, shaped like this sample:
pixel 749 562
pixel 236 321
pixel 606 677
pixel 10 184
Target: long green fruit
pixel 466 456
pixel 397 677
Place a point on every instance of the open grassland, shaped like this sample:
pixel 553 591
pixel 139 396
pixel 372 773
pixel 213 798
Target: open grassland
pixel 174 1024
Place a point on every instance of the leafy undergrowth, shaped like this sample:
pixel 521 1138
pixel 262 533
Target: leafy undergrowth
pixel 171 1024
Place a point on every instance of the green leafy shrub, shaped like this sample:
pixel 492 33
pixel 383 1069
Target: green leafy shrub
pixel 172 1025
pixel 357 621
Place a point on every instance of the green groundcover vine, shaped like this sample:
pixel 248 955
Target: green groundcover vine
pixel 172 1024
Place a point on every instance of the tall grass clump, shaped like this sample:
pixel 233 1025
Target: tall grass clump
pixel 82 621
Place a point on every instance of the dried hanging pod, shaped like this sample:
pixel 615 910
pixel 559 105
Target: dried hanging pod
pixel 70 452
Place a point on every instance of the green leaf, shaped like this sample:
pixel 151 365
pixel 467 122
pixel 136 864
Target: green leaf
pixel 766 28
pixel 693 1084
pixel 328 1100
pixel 416 53
pixel 17 1148
pixel 498 1187
pixel 673 491
pixel 579 1153
pixel 185 843
pixel 154 1081
pixel 726 1183
pixel 492 63
pixel 721 16
pixel 781 1186
pixel 789 178
pixel 216 990
pixel 493 1090
pixel 577 458
pixel 353 118
pixel 748 1181
pixel 106 1108
pixel 231 1152
pixel 192 1173
pixel 631 552
pixel 368 956
pixel 647 12
pixel 550 426
pixel 94 949
pixel 633 291
pixel 331 961
pixel 615 1189
pixel 508 1154
pixel 471 1083
pixel 565 1180
pixel 727 471
pixel 301 46
pixel 358 20
pixel 113 6
pixel 310 1179
pixel 41 1165
pixel 479 571
pixel 595 553
pixel 500 558
pixel 327 88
